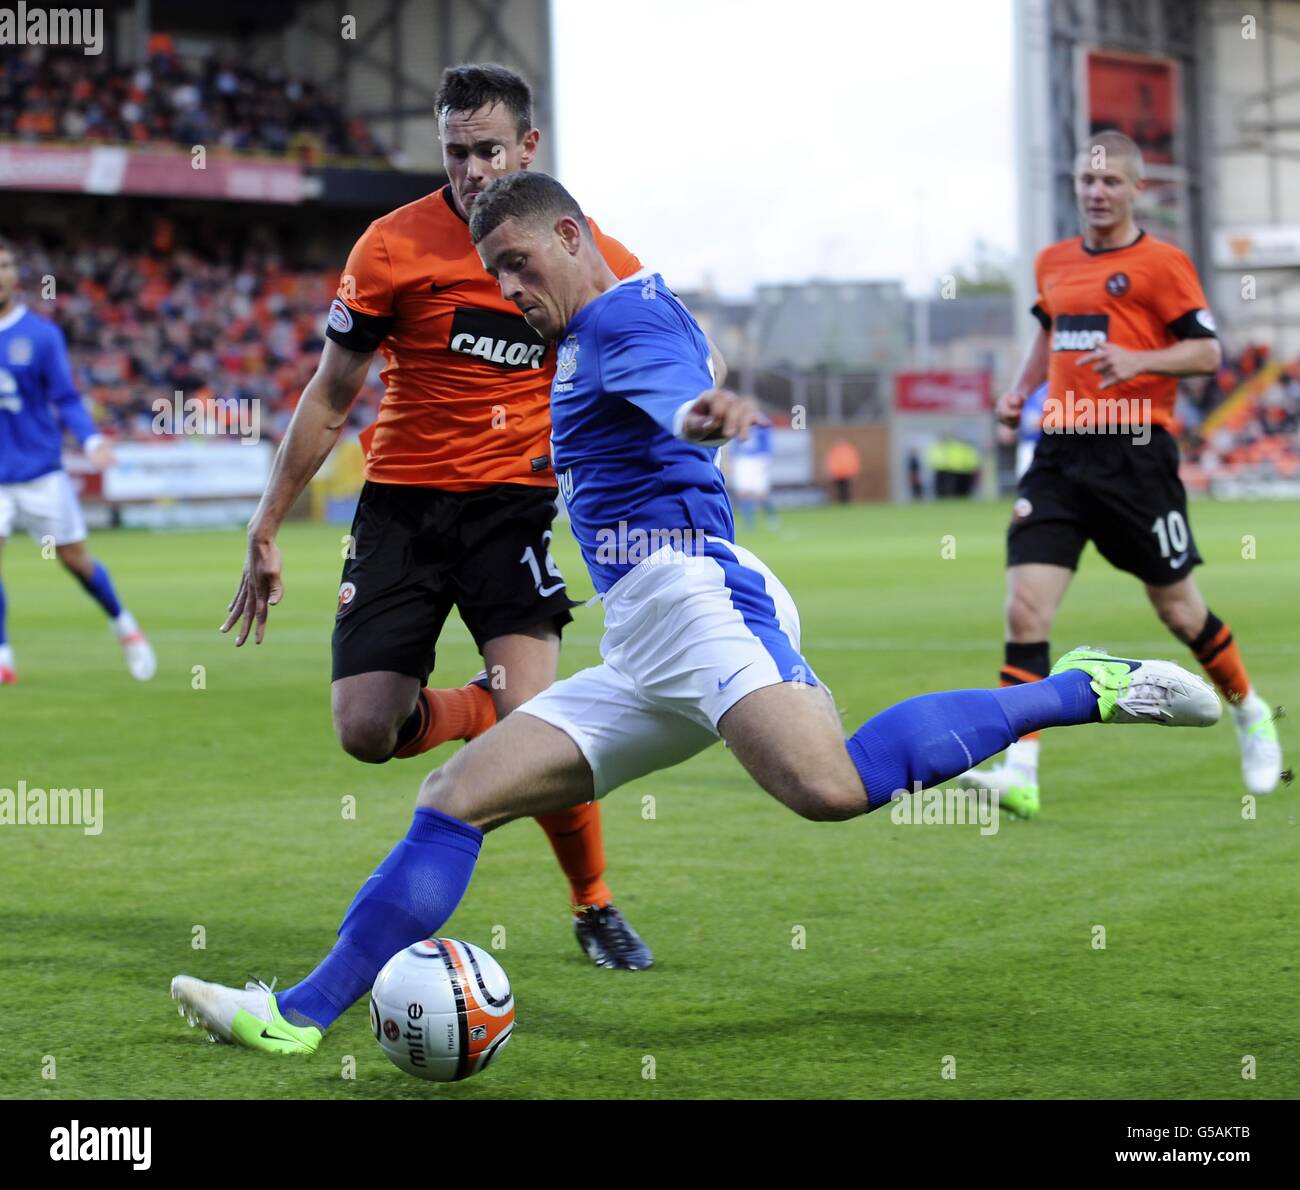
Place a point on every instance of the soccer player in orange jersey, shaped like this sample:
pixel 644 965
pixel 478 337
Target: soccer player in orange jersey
pixel 459 496
pixel 1123 316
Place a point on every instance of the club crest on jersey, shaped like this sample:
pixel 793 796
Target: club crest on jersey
pixel 20 352
pixel 566 359
pixel 502 339
pixel 1117 284
pixel 347 593
pixel 1021 509
pixel 340 317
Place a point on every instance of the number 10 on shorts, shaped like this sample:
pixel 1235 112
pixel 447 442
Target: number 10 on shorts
pixel 1171 529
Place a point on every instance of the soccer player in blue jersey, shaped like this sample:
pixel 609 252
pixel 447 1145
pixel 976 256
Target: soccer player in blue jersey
pixel 701 639
pixel 38 401
pixel 750 479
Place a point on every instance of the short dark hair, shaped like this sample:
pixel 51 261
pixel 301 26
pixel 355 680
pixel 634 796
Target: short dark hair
pixel 525 195
pixel 479 84
pixel 1114 143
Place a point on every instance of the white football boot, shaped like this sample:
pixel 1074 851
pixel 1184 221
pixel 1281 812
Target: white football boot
pixel 1261 750
pixel 140 659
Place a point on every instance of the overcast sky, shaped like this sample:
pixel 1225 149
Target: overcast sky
pixel 745 141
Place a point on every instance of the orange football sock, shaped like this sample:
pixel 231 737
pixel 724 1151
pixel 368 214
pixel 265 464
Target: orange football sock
pixel 1217 652
pixel 1031 664
pixel 460 713
pixel 579 845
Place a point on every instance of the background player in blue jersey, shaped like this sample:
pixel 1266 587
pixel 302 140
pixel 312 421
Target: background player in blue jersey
pixel 1031 428
pixel 701 639
pixel 38 401
pixel 750 465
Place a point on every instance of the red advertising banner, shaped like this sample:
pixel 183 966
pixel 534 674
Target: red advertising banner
pixel 1139 96
pixel 943 392
pixel 110 169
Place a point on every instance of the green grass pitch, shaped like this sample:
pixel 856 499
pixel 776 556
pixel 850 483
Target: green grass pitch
pixel 224 824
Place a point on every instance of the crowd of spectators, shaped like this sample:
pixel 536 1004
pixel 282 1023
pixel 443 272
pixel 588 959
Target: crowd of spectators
pixel 177 100
pixel 154 319
pixel 1260 439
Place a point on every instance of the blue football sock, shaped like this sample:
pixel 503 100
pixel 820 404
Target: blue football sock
pixel 4 636
pixel 934 737
pixel 100 588
pixel 410 895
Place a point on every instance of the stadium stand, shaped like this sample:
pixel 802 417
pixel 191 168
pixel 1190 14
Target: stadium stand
pixel 177 307
pixel 175 100
pixel 1244 422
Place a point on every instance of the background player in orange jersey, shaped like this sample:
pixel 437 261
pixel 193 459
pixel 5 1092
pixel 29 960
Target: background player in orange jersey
pixel 459 495
pixel 1123 316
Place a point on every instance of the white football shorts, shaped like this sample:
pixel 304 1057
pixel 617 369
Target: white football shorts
pixel 750 476
pixel 46 506
pixel 687 636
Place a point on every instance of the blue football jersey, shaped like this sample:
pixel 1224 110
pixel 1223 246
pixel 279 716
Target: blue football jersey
pixel 37 398
pixel 757 445
pixel 1031 415
pixel 627 366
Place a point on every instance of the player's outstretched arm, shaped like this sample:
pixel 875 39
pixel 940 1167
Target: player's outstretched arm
pixel 321 414
pixel 718 415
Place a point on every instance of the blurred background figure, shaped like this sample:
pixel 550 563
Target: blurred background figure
pixel 751 476
pixel 955 465
pixel 842 465
pixel 1031 429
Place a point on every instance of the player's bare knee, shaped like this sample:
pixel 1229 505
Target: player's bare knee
pixel 441 790
pixel 365 736
pixel 830 799
pixel 436 791
pixel 1027 617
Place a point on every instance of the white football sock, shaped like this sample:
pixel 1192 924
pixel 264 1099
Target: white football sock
pixel 1023 754
pixel 1250 708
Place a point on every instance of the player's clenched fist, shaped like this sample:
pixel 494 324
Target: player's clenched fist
pixel 720 413
pixel 1009 406
pixel 260 588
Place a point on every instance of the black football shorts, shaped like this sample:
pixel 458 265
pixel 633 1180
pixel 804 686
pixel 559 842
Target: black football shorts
pixel 1124 497
pixel 419 552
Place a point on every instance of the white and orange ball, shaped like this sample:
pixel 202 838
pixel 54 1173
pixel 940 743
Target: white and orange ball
pixel 442 1009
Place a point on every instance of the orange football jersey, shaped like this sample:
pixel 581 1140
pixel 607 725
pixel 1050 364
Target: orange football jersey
pixel 467 382
pixel 1143 296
